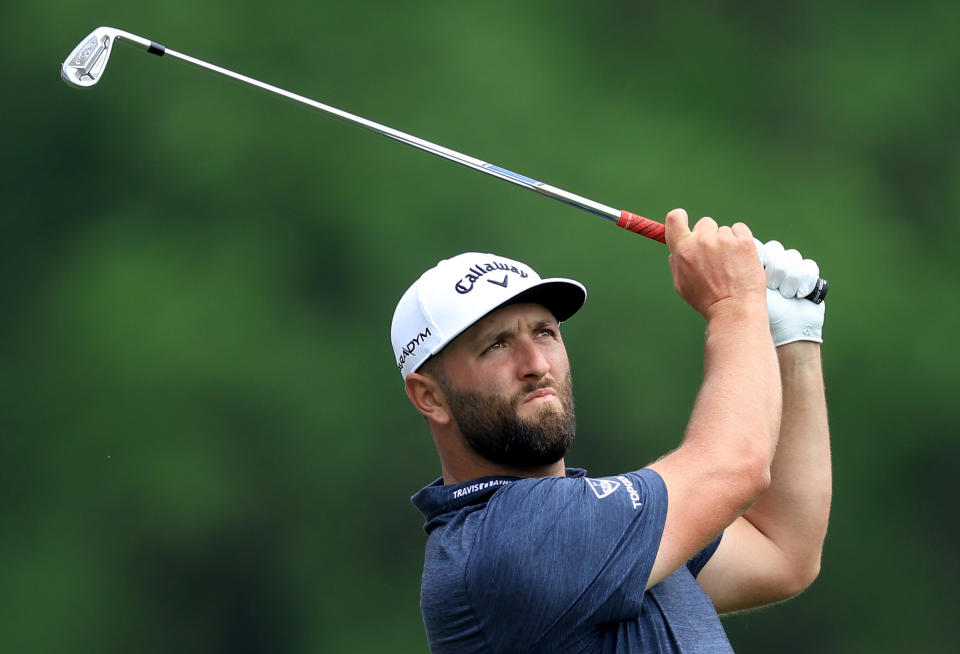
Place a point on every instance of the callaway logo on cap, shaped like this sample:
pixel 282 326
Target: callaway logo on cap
pixel 457 292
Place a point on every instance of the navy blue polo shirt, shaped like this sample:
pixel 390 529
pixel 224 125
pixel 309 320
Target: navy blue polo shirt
pixel 558 564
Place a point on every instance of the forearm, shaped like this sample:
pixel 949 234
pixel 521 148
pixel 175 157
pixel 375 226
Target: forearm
pixel 737 413
pixel 793 512
pixel 723 464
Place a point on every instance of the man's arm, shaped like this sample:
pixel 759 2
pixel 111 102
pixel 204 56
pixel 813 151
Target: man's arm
pixel 724 461
pixel 773 551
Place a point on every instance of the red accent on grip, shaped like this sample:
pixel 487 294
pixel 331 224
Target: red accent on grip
pixel 643 226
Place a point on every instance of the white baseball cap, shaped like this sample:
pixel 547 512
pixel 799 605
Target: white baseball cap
pixel 457 292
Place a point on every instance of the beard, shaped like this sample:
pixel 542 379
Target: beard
pixel 493 428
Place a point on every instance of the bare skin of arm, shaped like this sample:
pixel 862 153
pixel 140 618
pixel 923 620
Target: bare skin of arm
pixel 773 551
pixel 723 464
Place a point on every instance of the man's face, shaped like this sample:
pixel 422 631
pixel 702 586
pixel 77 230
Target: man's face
pixel 508 385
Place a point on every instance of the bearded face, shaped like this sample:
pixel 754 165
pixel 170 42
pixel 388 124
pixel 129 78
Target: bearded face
pixel 493 428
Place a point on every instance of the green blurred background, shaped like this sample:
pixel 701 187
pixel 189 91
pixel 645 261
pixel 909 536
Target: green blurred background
pixel 206 445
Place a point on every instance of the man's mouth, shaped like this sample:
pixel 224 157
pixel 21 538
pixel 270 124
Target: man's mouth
pixel 540 396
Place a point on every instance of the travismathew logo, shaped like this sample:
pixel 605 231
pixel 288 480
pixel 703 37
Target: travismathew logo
pixel 475 272
pixel 476 488
pixel 411 346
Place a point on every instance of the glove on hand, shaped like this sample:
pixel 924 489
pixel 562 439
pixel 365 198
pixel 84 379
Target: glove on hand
pixel 790 278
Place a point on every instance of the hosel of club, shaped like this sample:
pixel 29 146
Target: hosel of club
pixel 86 64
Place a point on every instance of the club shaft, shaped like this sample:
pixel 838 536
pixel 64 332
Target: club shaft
pixel 465 160
pixel 87 61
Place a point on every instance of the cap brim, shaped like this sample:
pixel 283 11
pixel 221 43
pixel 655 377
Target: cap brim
pixel 563 297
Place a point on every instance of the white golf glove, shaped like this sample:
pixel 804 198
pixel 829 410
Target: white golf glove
pixel 790 278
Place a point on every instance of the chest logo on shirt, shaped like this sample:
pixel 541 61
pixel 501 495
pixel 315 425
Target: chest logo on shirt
pixel 602 487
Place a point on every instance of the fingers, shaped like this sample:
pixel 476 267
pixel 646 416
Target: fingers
pixel 706 225
pixel 791 273
pixel 787 271
pixel 781 269
pixel 809 274
pixel 742 231
pixel 677 228
pixel 771 251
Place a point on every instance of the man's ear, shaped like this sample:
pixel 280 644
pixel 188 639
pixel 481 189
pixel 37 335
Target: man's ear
pixel 427 397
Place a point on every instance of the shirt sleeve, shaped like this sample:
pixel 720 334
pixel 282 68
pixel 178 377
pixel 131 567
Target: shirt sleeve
pixel 567 554
pixel 695 565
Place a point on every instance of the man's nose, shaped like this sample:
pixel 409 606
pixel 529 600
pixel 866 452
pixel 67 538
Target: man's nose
pixel 532 362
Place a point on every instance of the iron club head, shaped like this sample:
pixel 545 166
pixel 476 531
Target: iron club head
pixel 85 65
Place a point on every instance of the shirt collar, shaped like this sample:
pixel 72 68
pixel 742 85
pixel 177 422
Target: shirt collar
pixel 438 498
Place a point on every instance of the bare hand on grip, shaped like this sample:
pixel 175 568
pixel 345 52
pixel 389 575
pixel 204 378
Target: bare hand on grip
pixel 714 268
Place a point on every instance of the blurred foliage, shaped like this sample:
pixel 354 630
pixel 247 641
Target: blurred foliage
pixel 206 443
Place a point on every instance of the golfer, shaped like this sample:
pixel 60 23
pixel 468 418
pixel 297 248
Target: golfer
pixel 526 555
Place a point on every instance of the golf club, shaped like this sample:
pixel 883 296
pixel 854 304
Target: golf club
pixel 86 64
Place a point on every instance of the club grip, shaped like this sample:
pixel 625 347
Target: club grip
pixel 656 231
pixel 642 226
